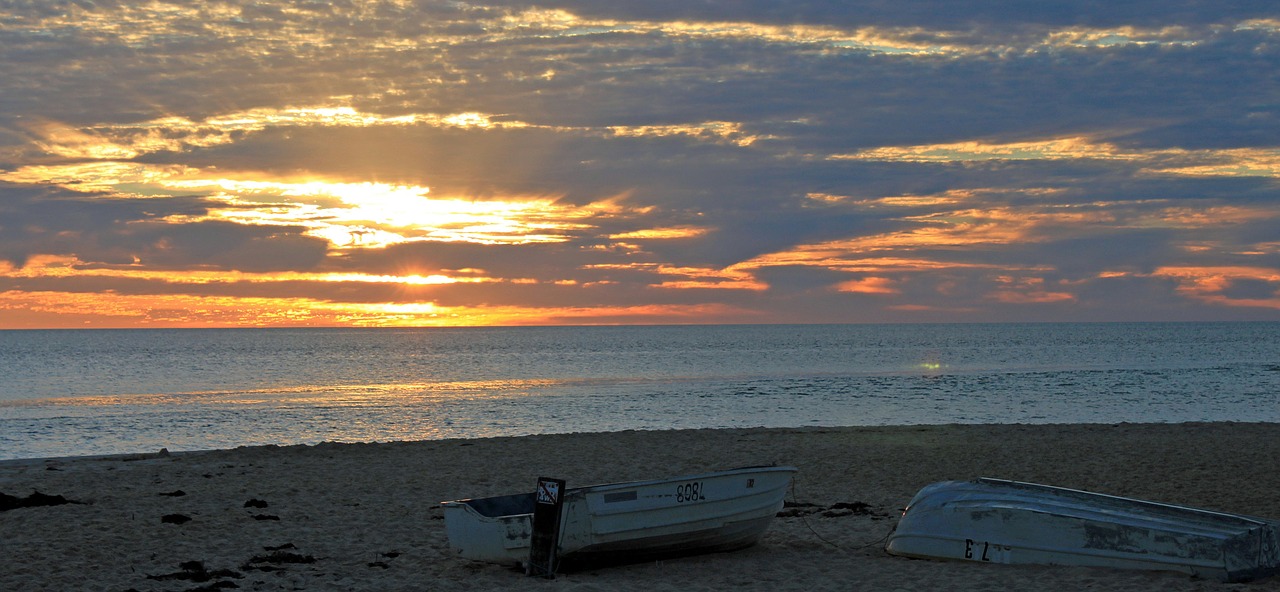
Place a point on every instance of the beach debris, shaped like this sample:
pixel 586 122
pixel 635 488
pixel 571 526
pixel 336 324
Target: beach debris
pixel 175 519
pixel 163 453
pixel 35 500
pixel 195 571
pixel 215 587
pixel 275 559
pixel 849 509
pixel 257 503
pixel 176 493
pixel 792 509
pixel 383 564
pixel 836 510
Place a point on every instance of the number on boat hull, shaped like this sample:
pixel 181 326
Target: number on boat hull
pixel 986 551
pixel 690 492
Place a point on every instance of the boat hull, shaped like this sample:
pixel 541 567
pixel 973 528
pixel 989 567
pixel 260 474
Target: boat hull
pixel 996 521
pixel 702 513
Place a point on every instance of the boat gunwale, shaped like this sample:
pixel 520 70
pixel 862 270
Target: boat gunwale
pixel 724 473
pixel 606 487
pixel 1078 493
pixel 718 510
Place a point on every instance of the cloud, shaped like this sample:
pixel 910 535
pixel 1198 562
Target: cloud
pixel 568 161
pixel 128 232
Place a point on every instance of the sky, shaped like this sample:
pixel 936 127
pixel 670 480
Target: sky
pixel 432 163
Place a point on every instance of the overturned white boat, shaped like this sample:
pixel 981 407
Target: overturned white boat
pixel 709 512
pixel 1000 521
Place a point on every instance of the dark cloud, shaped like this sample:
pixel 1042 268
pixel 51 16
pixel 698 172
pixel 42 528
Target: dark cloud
pixel 43 220
pixel 225 245
pixel 124 232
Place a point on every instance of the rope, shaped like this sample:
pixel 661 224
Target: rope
pixel 805 519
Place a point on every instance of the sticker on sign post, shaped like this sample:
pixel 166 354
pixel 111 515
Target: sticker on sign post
pixel 549 491
pixel 546 527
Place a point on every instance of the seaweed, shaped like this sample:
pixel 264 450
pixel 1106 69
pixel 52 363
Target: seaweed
pixel 35 500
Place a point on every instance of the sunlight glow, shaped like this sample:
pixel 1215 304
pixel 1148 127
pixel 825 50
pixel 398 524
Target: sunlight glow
pixel 56 266
pixel 1055 149
pixel 715 131
pixel 661 233
pixel 375 215
pixel 121 178
pixel 1237 162
pixel 103 310
pixel 1240 162
pixel 692 277
pixel 179 134
pixel 1087 37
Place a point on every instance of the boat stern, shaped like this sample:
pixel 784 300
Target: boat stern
pixel 477 532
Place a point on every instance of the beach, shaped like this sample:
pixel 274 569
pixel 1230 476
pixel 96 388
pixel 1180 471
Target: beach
pixel 366 516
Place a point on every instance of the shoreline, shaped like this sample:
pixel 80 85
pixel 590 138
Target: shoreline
pixel 164 451
pixel 368 514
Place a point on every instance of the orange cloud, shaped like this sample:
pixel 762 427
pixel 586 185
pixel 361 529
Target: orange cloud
pixel 56 266
pixel 661 233
pixel 48 309
pixel 1027 291
pixel 1212 284
pixel 871 285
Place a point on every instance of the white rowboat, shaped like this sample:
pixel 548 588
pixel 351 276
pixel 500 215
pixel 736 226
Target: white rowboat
pixel 718 511
pixel 997 521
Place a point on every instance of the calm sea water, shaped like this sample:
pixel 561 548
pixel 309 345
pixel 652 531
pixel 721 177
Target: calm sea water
pixel 66 393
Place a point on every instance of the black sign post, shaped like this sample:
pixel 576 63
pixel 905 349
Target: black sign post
pixel 546 527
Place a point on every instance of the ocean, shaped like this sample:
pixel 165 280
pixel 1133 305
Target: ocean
pixel 90 392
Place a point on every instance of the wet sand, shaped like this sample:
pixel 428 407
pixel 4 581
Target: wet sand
pixel 367 517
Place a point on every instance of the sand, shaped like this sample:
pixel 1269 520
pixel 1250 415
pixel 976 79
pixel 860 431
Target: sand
pixel 366 516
